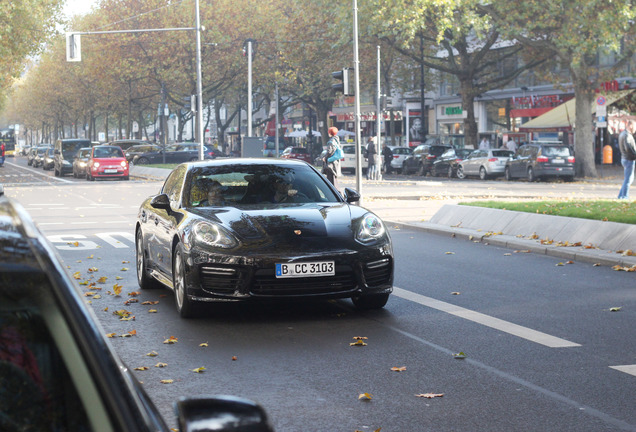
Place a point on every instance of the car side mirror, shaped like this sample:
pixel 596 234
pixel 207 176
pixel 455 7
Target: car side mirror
pixel 161 201
pixel 221 413
pixel 351 195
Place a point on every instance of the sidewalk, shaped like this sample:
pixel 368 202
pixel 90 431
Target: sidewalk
pixel 605 243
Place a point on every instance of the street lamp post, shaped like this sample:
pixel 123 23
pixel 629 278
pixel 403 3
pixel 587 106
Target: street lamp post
pixel 356 67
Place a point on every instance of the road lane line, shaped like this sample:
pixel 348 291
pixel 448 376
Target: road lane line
pixel 495 323
pixel 628 369
pixel 40 173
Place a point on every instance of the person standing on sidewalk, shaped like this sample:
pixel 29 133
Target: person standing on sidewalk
pixel 331 161
pixel 627 146
pixel 388 157
pixel 371 163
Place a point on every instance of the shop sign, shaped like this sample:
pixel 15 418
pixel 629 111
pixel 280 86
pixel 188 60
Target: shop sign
pixel 457 110
pixel 534 101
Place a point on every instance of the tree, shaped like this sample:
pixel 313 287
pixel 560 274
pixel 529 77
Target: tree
pixel 26 25
pixel 457 39
pixel 575 32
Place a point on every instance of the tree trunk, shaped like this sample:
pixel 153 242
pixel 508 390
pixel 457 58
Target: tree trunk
pixel 585 165
pixel 470 125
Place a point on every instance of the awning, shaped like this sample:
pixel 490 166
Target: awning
pixel 562 118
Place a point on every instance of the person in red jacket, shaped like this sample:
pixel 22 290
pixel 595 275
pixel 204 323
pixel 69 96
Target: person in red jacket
pixel 1 154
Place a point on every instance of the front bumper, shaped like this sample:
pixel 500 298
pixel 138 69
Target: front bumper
pixel 215 277
pixel 109 171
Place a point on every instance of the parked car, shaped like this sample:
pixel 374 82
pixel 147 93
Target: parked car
pixel 125 144
pixel 48 160
pixel 253 243
pixel 59 371
pixel 32 153
pixel 65 151
pixel 485 163
pixel 399 156
pixel 538 159
pixel 175 153
pixel 348 162
pixel 300 153
pixel 38 158
pixel 421 161
pixel 107 162
pixel 447 163
pixel 80 162
pixel 140 149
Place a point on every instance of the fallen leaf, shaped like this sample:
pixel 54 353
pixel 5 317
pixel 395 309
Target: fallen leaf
pixel 360 337
pixel 234 358
pixel 134 293
pixel 102 279
pixel 429 395
pixel 199 370
pixel 124 269
pixel 559 264
pixel 460 355
pixel 596 265
pixel 615 309
pixel 570 262
pixel 398 369
pixel 111 335
pixel 161 365
pixel 125 262
pixel 147 302
pixel 142 368
pixel 358 343
pixel 93 269
pixel 152 354
pixel 117 289
pixel 77 275
pixel 450 253
pixel 171 340
pixel 455 293
pixel 365 396
pixel 203 345
pixel 166 381
pixel 152 310
pixel 118 278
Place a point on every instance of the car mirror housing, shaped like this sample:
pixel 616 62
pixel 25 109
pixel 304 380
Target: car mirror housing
pixel 161 201
pixel 351 195
pixel 221 413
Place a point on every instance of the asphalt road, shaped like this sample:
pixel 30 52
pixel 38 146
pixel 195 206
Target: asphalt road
pixel 543 349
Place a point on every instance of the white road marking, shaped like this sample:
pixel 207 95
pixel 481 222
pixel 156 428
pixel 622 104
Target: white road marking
pixel 628 369
pixel 488 321
pixel 40 173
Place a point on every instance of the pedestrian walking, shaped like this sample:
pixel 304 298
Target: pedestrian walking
pixel 331 161
pixel 484 144
pixel 388 157
pixel 627 146
pixel 371 163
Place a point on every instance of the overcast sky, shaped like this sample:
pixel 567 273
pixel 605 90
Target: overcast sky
pixel 78 7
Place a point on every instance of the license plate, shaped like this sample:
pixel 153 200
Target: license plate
pixel 110 171
pixel 558 161
pixel 305 269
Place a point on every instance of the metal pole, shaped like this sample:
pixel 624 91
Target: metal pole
pixel 378 121
pixel 424 129
pixel 249 87
pixel 356 68
pixel 276 119
pixel 201 135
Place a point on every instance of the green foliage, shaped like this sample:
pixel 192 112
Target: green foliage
pixel 605 210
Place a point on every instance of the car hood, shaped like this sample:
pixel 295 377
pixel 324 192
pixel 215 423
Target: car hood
pixel 289 222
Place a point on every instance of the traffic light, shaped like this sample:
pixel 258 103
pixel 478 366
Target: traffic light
pixel 346 84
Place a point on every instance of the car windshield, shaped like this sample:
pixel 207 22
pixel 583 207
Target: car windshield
pixel 401 151
pixel 248 185
pixel 107 152
pixel 554 151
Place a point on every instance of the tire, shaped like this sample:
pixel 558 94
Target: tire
pixel 483 175
pixel 531 176
pixel 507 174
pixel 142 161
pixel 185 306
pixel 369 302
pixel 144 281
pixel 460 172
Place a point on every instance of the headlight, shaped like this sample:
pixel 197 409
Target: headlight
pixel 371 228
pixel 213 235
pixel 124 163
pixel 95 164
pixel 82 164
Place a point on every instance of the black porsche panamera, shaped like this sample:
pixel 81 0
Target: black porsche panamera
pixel 237 229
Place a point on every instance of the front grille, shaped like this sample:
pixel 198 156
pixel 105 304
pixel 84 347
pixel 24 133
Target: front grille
pixel 378 273
pixel 267 284
pixel 219 280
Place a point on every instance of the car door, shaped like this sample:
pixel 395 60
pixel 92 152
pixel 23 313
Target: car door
pixel 161 224
pixel 516 164
pixel 471 164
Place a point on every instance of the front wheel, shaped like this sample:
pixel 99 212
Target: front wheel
pixel 370 301
pixel 142 161
pixel 531 176
pixel 460 172
pixel 185 306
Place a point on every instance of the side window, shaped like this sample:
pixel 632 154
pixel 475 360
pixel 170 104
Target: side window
pixel 173 185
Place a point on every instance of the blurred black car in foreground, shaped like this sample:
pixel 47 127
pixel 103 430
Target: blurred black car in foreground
pixel 58 372
pixel 238 229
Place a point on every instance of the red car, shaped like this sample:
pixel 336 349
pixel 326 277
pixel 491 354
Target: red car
pixel 300 153
pixel 105 162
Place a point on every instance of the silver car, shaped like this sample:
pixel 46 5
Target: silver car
pixel 399 154
pixel 484 163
